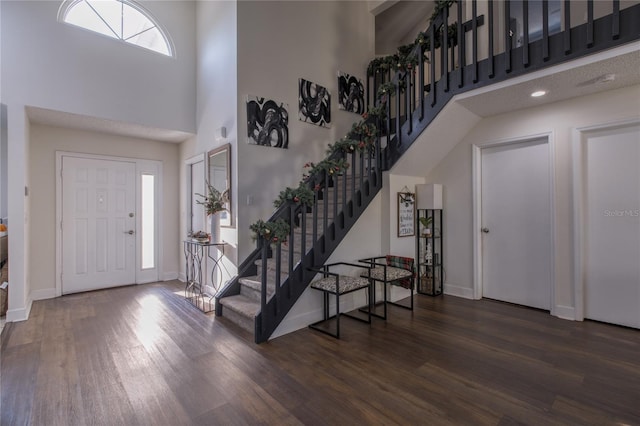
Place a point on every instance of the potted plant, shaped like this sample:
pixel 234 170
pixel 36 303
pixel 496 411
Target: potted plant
pixel 426 223
pixel 214 202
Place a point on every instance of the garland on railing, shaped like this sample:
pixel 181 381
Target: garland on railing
pixel 272 232
pixel 302 195
pixel 424 37
pixel 406 58
pixel 329 166
pixel 347 146
pixel 379 111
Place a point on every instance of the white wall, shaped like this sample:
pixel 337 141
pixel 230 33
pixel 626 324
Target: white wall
pixel 62 67
pixel 216 28
pixel 45 141
pixel 278 43
pixel 558 119
pixel 18 211
pixel 391 243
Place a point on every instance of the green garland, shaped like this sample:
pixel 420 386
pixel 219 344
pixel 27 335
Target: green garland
pixel 379 111
pixel 330 166
pixel 301 195
pixel 384 90
pixel 348 146
pixel 272 232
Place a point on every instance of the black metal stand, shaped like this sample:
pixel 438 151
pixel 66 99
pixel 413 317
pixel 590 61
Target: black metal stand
pixel 429 253
pixel 195 253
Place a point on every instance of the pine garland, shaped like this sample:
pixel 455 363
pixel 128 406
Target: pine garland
pixel 272 232
pixel 301 195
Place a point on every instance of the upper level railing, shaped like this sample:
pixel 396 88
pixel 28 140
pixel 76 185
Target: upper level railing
pixel 467 45
pixel 487 42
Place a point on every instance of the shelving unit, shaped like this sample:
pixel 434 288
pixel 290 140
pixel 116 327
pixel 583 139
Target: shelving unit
pixel 429 252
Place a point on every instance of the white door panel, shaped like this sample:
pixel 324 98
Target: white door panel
pixel 517 249
pixel 98 211
pixel 612 227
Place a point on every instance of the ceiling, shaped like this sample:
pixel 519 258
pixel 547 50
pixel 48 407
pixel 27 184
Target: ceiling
pixel 100 125
pixel 398 23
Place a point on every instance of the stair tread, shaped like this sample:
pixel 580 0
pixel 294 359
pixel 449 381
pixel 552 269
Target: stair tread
pixel 242 305
pixel 255 284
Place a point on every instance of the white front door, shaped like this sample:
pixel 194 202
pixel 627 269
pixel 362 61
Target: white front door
pixel 611 233
pixel 516 224
pixel 98 224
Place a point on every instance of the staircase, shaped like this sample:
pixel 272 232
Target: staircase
pixel 407 92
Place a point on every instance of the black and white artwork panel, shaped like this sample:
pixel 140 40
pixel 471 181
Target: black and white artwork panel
pixel 314 102
pixel 350 93
pixel 267 122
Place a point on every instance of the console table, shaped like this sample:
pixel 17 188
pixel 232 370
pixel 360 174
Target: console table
pixel 196 254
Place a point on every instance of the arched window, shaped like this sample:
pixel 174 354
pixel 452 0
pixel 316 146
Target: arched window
pixel 119 19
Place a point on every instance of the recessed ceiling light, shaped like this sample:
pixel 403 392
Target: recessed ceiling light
pixel 538 93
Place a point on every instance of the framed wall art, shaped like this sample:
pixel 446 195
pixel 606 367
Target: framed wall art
pixel 406 214
pixel 267 122
pixel 314 102
pixel 350 93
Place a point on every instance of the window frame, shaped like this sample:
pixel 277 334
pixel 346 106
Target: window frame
pixel 67 5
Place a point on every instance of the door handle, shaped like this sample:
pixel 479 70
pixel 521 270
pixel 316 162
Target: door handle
pixel 485 230
pixel 130 232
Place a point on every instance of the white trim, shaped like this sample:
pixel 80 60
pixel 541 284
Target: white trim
pixel 476 186
pixel 459 291
pixel 579 240
pixel 43 294
pixel 552 205
pixel 22 314
pixel 141 165
pixel 170 276
pixel 154 168
pixel 565 312
pixel 182 277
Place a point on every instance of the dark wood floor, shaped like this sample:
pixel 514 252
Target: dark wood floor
pixel 142 355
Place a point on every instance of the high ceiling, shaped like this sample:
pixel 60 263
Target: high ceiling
pixel 399 22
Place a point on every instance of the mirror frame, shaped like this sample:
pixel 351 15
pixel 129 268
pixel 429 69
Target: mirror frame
pixel 224 148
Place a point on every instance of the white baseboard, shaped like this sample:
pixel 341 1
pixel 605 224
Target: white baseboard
pixel 458 291
pixel 21 314
pixel 182 277
pixel 170 276
pixel 43 294
pixel 565 312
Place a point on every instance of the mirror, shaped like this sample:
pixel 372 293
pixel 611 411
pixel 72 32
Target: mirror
pixel 219 177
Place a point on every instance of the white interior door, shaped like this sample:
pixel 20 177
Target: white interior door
pixel 612 226
pixel 516 224
pixel 98 224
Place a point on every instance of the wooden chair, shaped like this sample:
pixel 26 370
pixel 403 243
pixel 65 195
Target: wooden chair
pixel 394 270
pixel 338 285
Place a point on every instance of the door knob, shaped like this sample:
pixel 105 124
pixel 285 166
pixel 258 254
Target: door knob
pixel 485 230
pixel 130 232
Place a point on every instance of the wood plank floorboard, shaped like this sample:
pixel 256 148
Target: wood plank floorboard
pixel 142 355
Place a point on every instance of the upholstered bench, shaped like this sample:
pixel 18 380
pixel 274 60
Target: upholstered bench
pixel 394 270
pixel 335 284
